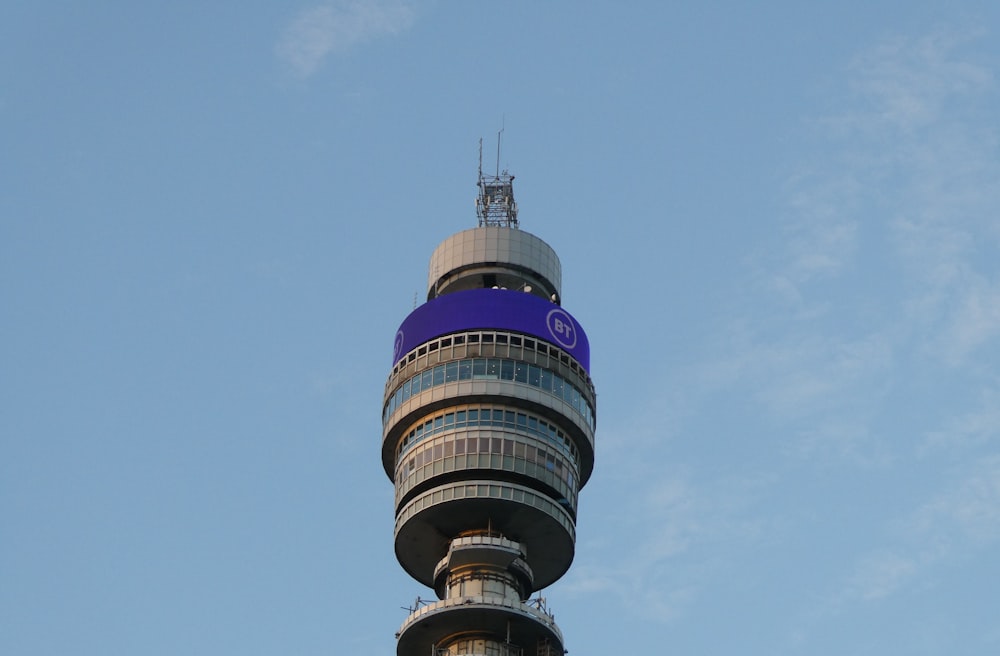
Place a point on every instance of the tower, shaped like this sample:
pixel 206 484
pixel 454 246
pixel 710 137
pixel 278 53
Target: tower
pixel 488 427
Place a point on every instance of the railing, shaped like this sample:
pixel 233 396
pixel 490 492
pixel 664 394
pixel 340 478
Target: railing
pixel 445 605
pixel 504 649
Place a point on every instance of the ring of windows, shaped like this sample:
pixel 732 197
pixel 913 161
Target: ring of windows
pixel 460 452
pixel 524 344
pixel 492 452
pixel 486 417
pixel 491 369
pixel 488 490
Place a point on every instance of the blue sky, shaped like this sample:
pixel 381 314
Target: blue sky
pixel 778 223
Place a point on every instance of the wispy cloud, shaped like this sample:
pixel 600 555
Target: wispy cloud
pixel 899 206
pixel 908 83
pixel 966 516
pixel 976 428
pixel 957 522
pixel 880 282
pixel 675 525
pixel 332 27
pixel 902 209
pixel 881 573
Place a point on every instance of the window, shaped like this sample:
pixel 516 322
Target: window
pixel 478 368
pixel 546 380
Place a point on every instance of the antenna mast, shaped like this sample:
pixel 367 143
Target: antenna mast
pixel 495 205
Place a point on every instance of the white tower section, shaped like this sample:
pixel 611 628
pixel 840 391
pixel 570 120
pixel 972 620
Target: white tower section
pixel 493 256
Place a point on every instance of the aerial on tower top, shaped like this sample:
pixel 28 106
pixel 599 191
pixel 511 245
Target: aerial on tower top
pixel 495 205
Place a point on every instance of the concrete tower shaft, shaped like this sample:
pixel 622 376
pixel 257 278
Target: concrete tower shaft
pixel 488 434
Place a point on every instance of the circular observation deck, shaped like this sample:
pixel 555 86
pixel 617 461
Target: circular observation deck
pixel 447 620
pixel 493 256
pixel 426 525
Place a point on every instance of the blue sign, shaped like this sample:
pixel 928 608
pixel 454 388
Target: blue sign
pixel 499 309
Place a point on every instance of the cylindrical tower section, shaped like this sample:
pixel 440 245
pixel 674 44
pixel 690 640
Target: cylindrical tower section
pixel 495 257
pixel 488 420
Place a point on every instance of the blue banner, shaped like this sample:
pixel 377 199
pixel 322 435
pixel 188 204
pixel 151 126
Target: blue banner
pixel 499 309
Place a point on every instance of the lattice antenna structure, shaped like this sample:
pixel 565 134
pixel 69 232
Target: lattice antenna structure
pixel 495 205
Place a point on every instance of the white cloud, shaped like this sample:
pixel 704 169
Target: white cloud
pixel 909 83
pixel 886 256
pixel 966 516
pixel 675 528
pixel 822 238
pixel 978 427
pixel 338 26
pixel 881 573
pixel 963 519
pixel 974 322
pixel 887 252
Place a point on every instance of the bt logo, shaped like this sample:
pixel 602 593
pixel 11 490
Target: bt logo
pixel 397 347
pixel 562 328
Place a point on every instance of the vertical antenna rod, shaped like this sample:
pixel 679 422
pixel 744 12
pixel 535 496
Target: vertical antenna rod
pixel 500 132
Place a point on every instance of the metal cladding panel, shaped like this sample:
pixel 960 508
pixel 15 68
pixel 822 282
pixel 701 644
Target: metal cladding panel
pixel 500 309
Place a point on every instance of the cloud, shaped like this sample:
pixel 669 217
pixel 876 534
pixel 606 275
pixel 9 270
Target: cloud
pixel 976 428
pixel 823 237
pixel 887 248
pixel 881 573
pixel 317 32
pixel 963 519
pixel 858 333
pixel 966 516
pixel 676 527
pixel 909 83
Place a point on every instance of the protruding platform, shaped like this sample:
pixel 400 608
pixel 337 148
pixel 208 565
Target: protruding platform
pixel 427 524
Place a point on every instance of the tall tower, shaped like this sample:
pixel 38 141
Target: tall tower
pixel 488 434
